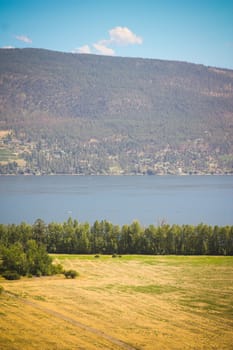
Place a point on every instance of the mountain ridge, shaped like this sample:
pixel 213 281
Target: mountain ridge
pixel 91 114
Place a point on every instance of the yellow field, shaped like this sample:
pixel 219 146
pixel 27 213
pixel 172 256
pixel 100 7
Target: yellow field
pixel 132 302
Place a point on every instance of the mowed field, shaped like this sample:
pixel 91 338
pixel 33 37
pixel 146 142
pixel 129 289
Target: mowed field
pixel 128 302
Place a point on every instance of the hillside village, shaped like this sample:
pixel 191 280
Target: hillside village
pixel 28 158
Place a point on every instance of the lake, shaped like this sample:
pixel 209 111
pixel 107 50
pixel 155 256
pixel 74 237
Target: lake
pixel 119 199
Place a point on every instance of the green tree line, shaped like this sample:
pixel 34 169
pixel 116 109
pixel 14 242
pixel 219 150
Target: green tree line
pixel 103 237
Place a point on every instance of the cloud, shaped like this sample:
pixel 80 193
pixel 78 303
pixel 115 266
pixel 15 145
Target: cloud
pixel 82 49
pixel 24 38
pixel 103 49
pixel 8 47
pixel 124 36
pixel 118 36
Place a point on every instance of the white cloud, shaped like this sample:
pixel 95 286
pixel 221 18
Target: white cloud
pixel 8 47
pixel 124 36
pixel 118 36
pixel 103 49
pixel 82 49
pixel 24 38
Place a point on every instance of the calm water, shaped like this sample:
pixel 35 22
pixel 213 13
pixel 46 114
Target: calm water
pixel 119 199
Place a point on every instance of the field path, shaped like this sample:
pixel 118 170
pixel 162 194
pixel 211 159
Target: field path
pixel 59 315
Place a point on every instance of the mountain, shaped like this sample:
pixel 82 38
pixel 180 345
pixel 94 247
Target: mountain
pixel 90 114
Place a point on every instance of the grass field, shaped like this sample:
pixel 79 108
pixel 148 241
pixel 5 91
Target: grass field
pixel 132 302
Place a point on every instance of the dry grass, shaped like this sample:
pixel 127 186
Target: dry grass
pixel 4 133
pixel 145 302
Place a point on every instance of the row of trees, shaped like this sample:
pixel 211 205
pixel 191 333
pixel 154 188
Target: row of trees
pixel 72 237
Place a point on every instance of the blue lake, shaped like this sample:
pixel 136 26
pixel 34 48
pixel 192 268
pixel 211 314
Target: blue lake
pixel 119 199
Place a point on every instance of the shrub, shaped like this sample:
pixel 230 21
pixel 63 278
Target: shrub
pixel 57 269
pixel 11 275
pixel 71 274
pixel 116 256
pixel 97 256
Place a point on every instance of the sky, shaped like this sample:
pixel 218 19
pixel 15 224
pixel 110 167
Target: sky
pixel 197 31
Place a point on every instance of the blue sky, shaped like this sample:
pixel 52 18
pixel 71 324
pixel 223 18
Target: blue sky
pixel 197 31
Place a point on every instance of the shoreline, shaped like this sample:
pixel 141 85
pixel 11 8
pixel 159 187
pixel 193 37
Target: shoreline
pixel 133 175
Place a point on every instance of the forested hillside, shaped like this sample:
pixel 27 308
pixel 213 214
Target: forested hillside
pixel 89 114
